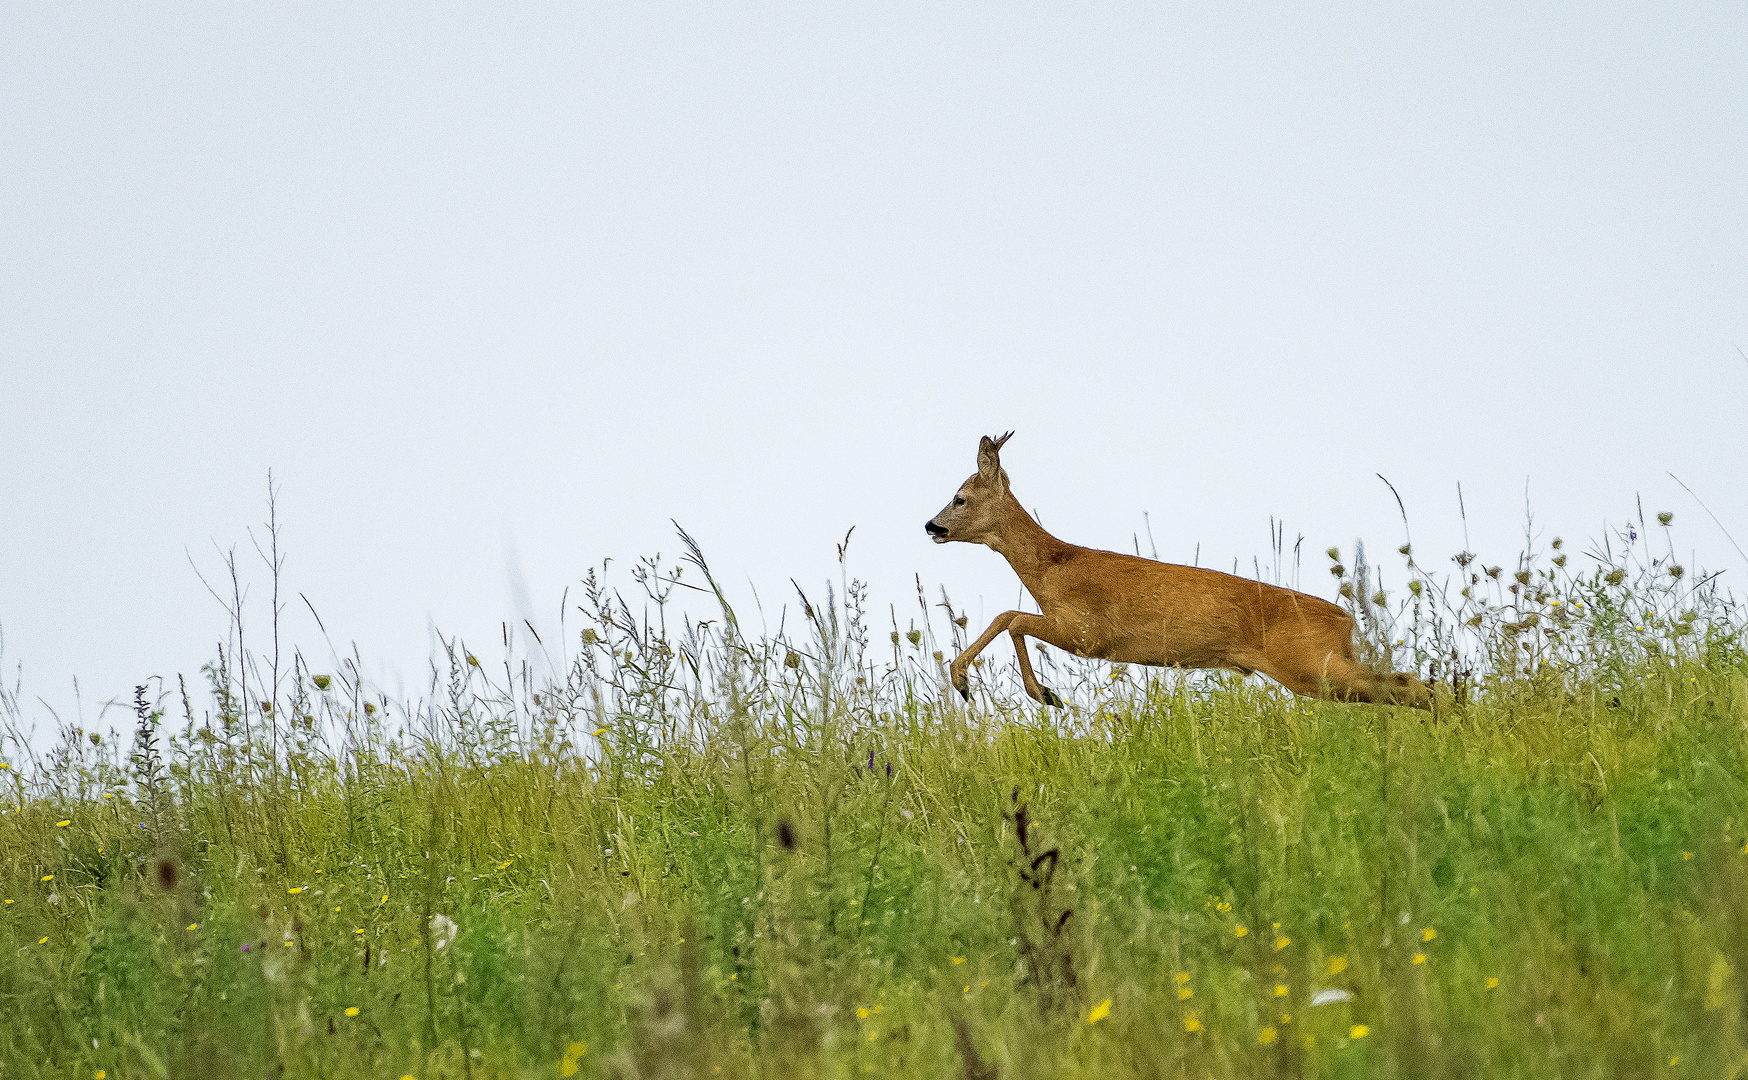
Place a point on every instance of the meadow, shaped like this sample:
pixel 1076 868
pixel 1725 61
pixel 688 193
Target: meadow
pixel 675 847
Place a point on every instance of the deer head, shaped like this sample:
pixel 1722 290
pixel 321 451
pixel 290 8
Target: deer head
pixel 976 510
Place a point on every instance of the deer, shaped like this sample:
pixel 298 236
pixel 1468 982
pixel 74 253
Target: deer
pixel 1126 609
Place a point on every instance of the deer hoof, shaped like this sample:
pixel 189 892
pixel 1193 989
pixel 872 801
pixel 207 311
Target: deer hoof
pixel 962 683
pixel 1048 697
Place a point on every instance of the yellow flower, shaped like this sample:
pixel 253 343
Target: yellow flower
pixel 503 864
pixel 194 926
pixel 1428 934
pixel 1420 958
pixel 48 877
pixel 383 901
pixel 1686 855
pixel 1181 977
pixel 861 1014
pixel 351 1010
pixel 63 824
pixel 1492 983
pixel 958 959
pixel 1280 989
pixel 360 930
pixel 101 1074
pixel 294 890
pixel 288 944
pixel 1099 1011
pixel 42 941
pixel 1192 1023
pixel 1282 942
pixel 573 1051
pixel 1184 993
pixel 1266 1036
pixel 1222 906
pixel 1337 965
pixel 1240 931
pixel 1358 1031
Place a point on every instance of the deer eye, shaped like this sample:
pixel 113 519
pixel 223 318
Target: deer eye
pixel 959 501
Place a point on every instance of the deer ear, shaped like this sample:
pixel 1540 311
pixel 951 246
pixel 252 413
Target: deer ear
pixel 989 456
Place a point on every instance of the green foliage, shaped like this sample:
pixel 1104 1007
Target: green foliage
pixel 691 852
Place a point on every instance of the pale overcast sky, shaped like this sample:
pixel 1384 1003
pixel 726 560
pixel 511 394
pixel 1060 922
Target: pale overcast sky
pixel 513 285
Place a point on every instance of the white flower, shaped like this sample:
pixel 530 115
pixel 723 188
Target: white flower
pixel 444 928
pixel 1325 997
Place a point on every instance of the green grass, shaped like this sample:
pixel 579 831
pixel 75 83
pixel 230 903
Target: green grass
pixel 674 859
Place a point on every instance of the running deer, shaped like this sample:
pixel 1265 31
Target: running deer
pixel 1126 609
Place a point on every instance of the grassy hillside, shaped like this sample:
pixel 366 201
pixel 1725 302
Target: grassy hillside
pixel 691 851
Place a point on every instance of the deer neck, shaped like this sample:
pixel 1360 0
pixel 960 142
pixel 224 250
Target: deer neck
pixel 1026 546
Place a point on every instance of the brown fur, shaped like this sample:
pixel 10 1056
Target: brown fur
pixel 1130 610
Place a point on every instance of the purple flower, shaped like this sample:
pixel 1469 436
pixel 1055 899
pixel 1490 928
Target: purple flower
pixel 870 761
pixel 889 770
pixel 245 946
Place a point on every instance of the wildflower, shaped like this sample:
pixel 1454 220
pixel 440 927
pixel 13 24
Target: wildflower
pixel 1222 906
pixel 48 877
pixel 63 824
pixel 1686 855
pixel 1099 1011
pixel 1240 931
pixel 351 1010
pixel 42 941
pixel 1492 983
pixel 1282 942
pixel 245 946
pixel 1280 989
pixel 100 1074
pixel 445 930
pixel 1181 977
pixel 1428 934
pixel 288 944
pixel 1420 958
pixel 383 901
pixel 958 959
pixel 194 926
pixel 360 930
pixel 1358 1031
pixel 1337 965
pixel 1184 993
pixel 861 1014
pixel 1266 1036
pixel 1192 1023
pixel 294 890
pixel 1328 997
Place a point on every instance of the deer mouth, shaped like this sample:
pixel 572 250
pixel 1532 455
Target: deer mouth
pixel 937 532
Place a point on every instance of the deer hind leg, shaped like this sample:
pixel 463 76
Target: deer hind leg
pixel 962 662
pixel 1343 678
pixel 1037 626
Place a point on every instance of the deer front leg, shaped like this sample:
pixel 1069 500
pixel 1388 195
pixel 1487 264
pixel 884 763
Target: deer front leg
pixel 1037 626
pixel 962 662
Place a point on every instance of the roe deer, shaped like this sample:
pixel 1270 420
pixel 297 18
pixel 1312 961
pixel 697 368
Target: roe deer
pixel 1130 610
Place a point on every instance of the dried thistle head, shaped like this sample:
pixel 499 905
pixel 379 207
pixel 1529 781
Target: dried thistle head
pixel 1665 518
pixel 1615 577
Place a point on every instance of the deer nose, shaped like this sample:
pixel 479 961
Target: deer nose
pixel 934 530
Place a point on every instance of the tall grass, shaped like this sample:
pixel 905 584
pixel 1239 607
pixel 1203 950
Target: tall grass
pixel 673 847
